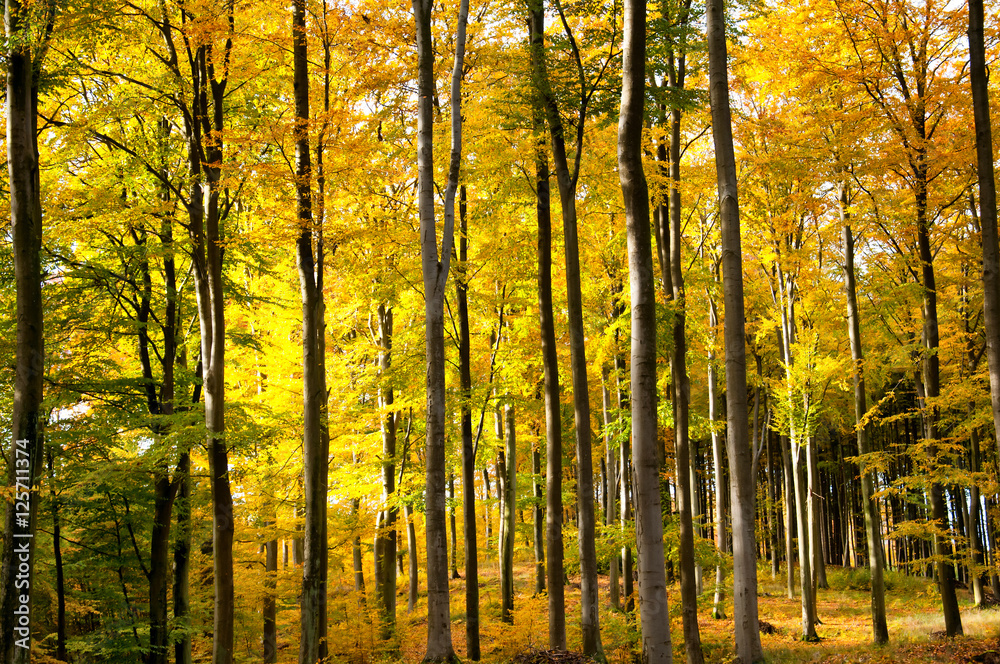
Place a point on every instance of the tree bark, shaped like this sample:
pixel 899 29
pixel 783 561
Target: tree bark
pixel 313 597
pixel 435 275
pixel 385 554
pixel 24 460
pixel 468 448
pixel 507 519
pixel 550 364
pixel 655 617
pixel 610 507
pixel 748 647
pixel 987 204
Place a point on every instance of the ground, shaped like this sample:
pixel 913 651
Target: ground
pixel 913 610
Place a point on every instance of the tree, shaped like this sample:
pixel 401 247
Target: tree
pixel 656 647
pixel 435 274
pixel 741 487
pixel 24 460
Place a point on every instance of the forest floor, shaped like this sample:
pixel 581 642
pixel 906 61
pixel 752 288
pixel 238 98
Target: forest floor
pixel 913 609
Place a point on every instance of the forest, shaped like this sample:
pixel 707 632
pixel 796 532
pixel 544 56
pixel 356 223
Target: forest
pixel 544 331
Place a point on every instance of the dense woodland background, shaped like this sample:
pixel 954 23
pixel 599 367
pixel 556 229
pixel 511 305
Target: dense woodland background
pixel 247 437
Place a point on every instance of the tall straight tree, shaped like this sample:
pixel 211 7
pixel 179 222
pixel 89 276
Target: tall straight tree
pixel 668 229
pixel 909 88
pixel 315 458
pixel 741 485
pixel 656 647
pixel 468 445
pixel 987 204
pixel 873 526
pixel 385 541
pixel 567 179
pixel 24 459
pixel 435 275
pixel 550 363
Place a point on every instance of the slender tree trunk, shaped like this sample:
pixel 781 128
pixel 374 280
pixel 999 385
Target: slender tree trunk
pixel 718 472
pixel 655 617
pixel 411 554
pixel 873 527
pixel 931 382
pixel 453 526
pixel 359 573
pixel 538 513
pixel 550 362
pixel 182 560
pixel 468 450
pixel 270 639
pixel 682 387
pixel 312 618
pixel 816 548
pixel 57 556
pixel 741 484
pixel 507 516
pixel 988 204
pixel 610 512
pixel 788 484
pixel 435 275
pixel 385 554
pixel 24 460
pixel 626 470
pixel 567 179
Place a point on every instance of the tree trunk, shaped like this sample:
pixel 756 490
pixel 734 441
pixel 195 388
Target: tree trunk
pixel 435 275
pixel 788 484
pixel 182 561
pixel 567 179
pixel 873 527
pixel 655 617
pixel 385 547
pixel 312 601
pixel 550 362
pixel 24 461
pixel 741 484
pixel 507 519
pixel 987 203
pixel 717 470
pixel 411 554
pixel 682 387
pixel 468 449
pixel 816 548
pixel 610 513
pixel 538 511
pixel 270 640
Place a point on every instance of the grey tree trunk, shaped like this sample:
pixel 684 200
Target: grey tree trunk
pixel 452 523
pixel 655 617
pixel 435 275
pixel 509 501
pixel 987 203
pixel 741 484
pixel 873 526
pixel 25 464
pixel 550 363
pixel 626 474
